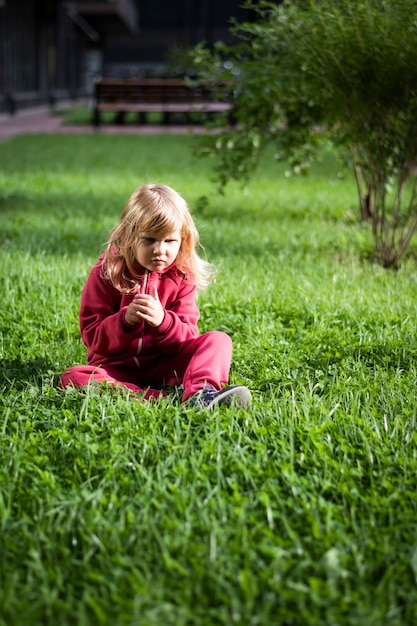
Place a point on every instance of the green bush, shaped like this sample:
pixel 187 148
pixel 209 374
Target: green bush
pixel 304 72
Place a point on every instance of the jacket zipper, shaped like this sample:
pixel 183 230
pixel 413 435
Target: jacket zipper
pixel 140 340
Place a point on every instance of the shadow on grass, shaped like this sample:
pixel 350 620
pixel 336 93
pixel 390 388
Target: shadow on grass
pixel 387 357
pixel 17 373
pixel 53 226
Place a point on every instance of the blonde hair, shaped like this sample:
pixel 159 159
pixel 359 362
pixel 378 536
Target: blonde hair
pixel 150 209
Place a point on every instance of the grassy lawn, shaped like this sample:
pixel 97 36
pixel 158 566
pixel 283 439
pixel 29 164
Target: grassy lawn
pixel 120 513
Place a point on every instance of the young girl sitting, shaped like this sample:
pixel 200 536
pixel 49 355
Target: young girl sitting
pixel 138 315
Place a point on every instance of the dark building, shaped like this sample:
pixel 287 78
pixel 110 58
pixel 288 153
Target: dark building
pixel 52 49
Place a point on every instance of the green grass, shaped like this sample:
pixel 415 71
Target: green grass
pixel 117 512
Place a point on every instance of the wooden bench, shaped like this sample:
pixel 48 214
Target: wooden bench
pixel 144 96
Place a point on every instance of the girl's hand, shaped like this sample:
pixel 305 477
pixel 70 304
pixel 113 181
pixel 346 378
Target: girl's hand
pixel 145 307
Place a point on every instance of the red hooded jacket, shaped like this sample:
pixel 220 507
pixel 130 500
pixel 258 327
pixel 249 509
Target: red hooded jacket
pixel 111 341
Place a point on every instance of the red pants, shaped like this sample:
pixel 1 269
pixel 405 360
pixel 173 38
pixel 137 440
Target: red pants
pixel 202 361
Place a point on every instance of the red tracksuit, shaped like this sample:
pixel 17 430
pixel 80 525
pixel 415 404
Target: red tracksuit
pixel 143 357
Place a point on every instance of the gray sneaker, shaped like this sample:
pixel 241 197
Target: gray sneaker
pixel 208 398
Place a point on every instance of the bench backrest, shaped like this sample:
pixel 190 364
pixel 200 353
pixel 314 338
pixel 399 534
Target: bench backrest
pixel 131 91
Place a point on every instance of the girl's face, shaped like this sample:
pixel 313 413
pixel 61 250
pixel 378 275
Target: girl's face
pixel 156 251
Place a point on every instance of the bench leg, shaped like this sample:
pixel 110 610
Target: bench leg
pixel 96 117
pixel 120 117
pixel 231 117
pixel 141 118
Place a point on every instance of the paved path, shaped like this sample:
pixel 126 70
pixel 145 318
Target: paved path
pixel 31 121
pixel 41 120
